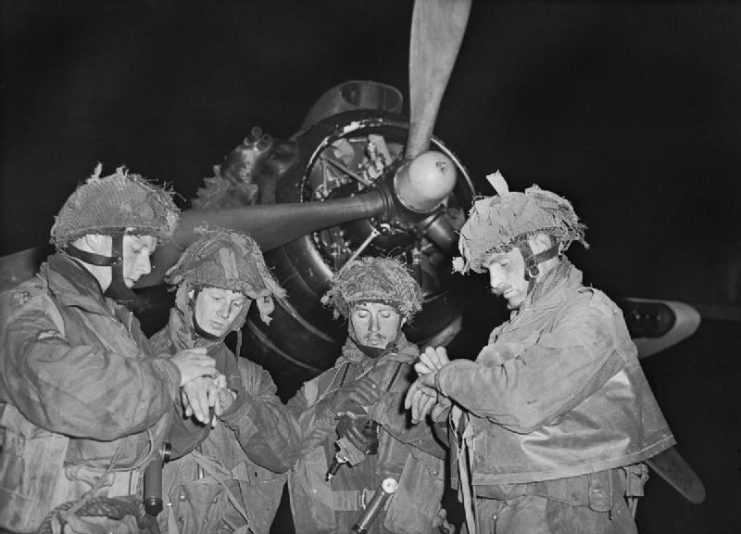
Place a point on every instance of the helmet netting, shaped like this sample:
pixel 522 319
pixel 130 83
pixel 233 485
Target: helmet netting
pixel 372 279
pixel 108 204
pixel 225 259
pixel 497 223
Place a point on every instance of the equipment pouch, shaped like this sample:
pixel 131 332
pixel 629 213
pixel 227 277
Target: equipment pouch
pixel 31 470
pixel 261 490
pixel 312 500
pixel 600 491
pixel 416 503
pixel 636 477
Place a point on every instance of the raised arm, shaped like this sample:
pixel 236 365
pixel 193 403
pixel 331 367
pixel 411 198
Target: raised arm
pixel 266 431
pixel 524 386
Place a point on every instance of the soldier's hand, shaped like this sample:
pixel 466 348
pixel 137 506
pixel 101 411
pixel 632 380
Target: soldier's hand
pixel 441 409
pixel 225 396
pixel 199 396
pixel 193 363
pixel 431 360
pixel 420 399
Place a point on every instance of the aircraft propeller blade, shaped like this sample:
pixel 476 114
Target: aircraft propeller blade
pixel 678 474
pixel 437 31
pixel 271 225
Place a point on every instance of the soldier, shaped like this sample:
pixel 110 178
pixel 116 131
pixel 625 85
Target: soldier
pixel 355 433
pixel 554 417
pixel 228 476
pixel 84 402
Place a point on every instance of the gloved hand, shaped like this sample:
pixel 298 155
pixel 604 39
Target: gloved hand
pixel 357 439
pixel 360 394
pixel 361 432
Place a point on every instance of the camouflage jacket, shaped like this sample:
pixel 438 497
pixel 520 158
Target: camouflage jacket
pixel 244 458
pixel 558 392
pixel 408 453
pixel 76 367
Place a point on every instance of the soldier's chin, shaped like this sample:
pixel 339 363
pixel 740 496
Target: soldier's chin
pixel 515 303
pixel 377 343
pixel 216 331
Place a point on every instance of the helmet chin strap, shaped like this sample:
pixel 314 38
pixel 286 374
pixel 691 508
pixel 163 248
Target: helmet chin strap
pixel 532 260
pixel 197 327
pixel 117 289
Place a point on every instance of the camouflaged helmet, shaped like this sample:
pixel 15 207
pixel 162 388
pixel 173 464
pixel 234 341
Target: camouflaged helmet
pixel 225 259
pixel 500 222
pixel 107 205
pixel 373 279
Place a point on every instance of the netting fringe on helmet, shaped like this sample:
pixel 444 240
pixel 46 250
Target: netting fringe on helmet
pixel 499 222
pixel 108 204
pixel 372 279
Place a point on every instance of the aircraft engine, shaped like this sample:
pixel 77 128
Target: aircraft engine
pixel 355 153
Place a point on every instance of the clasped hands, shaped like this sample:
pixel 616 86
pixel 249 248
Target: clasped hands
pixel 203 390
pixel 423 397
pixel 205 397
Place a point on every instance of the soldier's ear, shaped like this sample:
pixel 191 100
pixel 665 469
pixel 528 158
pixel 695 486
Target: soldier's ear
pixel 95 243
pixel 540 242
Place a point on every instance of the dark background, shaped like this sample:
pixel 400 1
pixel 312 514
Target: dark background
pixel 631 110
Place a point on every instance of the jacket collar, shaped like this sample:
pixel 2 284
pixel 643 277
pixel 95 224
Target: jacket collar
pixel 182 333
pixel 555 286
pixel 404 351
pixel 73 285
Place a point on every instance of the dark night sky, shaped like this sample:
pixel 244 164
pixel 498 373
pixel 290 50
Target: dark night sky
pixel 632 111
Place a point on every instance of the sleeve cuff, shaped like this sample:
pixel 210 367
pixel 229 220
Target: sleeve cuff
pixel 171 374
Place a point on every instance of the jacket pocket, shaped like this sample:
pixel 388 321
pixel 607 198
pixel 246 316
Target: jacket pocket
pixel 416 503
pixel 312 501
pixel 261 493
pixel 194 507
pixel 30 471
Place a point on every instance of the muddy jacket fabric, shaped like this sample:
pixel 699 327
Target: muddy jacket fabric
pixel 76 367
pixel 558 392
pixel 239 467
pixel 408 453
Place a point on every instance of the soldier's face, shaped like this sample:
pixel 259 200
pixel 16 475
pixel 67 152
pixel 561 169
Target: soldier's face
pixel 375 324
pixel 216 309
pixel 136 252
pixel 507 276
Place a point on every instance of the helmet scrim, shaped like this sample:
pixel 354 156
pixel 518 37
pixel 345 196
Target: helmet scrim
pixel 372 279
pixel 109 204
pixel 499 222
pixel 225 259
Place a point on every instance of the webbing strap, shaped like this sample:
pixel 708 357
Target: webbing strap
pixel 219 473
